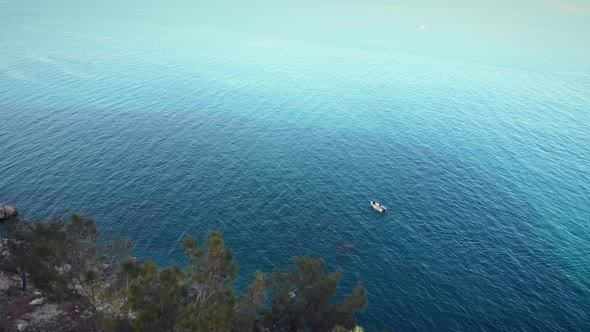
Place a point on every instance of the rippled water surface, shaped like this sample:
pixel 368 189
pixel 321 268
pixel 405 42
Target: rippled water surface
pixel 277 123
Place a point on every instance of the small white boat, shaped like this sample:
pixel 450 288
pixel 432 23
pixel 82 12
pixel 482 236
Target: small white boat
pixel 378 207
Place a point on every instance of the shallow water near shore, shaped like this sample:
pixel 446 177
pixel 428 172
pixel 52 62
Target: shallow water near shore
pixel 277 124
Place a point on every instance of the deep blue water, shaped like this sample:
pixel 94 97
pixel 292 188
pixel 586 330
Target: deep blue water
pixel 277 123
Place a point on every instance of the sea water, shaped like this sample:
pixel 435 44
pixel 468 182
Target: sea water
pixel 277 122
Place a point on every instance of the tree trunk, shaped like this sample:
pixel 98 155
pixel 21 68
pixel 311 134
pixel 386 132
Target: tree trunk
pixel 23 278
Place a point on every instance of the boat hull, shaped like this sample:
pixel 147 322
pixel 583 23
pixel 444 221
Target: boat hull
pixel 378 207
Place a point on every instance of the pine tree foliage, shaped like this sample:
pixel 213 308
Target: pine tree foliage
pixel 71 258
pixel 302 298
pixel 211 295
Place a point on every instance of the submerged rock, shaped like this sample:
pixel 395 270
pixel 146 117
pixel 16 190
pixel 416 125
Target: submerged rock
pixel 7 212
pixel 345 246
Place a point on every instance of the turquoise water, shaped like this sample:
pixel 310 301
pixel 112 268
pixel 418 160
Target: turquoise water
pixel 276 123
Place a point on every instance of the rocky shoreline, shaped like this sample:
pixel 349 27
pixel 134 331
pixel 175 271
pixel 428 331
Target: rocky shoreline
pixel 7 212
pixel 33 310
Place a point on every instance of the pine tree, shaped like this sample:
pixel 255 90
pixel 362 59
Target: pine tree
pixel 156 296
pixel 211 274
pixel 301 299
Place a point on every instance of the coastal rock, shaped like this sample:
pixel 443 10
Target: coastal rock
pixel 5 255
pixel 7 211
pixel 37 301
pixel 8 280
